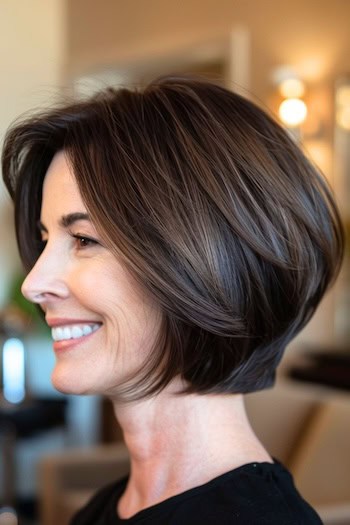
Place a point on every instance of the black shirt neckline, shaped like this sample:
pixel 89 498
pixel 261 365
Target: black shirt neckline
pixel 253 468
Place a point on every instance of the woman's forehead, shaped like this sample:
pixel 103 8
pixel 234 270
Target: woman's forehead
pixel 59 163
pixel 60 188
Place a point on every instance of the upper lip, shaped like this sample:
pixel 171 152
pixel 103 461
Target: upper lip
pixel 63 322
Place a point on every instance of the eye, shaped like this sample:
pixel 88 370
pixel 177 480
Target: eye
pixel 83 242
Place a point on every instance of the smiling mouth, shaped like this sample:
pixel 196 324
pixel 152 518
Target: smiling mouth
pixel 74 331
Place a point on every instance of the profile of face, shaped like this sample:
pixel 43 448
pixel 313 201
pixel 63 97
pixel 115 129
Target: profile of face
pixel 103 325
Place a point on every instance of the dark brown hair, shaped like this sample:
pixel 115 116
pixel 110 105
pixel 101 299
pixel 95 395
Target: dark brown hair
pixel 212 207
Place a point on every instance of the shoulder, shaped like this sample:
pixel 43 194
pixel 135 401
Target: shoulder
pixel 258 493
pixel 254 494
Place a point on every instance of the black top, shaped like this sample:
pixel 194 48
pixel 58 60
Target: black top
pixel 254 494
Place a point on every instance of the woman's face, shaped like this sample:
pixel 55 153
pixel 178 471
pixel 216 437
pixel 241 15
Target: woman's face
pixel 103 324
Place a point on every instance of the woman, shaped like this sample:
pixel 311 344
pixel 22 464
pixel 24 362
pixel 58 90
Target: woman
pixel 176 240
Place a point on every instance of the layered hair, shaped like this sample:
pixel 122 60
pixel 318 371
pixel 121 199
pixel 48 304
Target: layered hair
pixel 210 205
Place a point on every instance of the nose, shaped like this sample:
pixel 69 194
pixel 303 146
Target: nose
pixel 46 281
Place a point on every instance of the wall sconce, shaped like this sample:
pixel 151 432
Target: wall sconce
pixel 292 110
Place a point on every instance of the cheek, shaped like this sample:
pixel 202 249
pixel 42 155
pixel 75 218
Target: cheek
pixel 132 319
pixel 95 286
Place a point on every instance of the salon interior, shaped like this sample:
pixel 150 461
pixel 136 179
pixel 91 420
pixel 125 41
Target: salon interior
pixel 291 58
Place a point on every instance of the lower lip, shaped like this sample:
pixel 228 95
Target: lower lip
pixel 67 344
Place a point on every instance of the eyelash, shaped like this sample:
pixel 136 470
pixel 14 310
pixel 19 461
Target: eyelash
pixel 83 238
pixel 82 242
pixel 78 238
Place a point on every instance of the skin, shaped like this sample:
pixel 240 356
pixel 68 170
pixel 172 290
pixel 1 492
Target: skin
pixel 175 442
pixel 73 279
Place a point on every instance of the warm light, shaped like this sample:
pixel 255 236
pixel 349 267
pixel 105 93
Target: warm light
pixel 13 370
pixel 343 117
pixel 292 88
pixel 343 95
pixel 292 112
pixel 320 152
pixel 343 107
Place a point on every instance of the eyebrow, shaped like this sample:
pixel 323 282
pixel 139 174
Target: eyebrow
pixel 67 220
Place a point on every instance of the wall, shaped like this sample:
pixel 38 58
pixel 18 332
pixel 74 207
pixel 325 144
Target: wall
pixel 312 35
pixel 32 44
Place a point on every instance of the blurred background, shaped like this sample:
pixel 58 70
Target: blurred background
pixel 291 58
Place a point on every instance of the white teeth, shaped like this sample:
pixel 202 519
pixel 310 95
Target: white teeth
pixel 60 333
pixel 87 329
pixel 77 332
pixel 66 333
pixel 57 334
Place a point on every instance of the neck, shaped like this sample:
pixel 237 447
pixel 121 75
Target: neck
pixel 177 442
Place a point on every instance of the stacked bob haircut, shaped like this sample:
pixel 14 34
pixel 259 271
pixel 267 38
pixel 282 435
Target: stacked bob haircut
pixel 213 209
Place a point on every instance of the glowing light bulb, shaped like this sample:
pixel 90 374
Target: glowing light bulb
pixel 292 112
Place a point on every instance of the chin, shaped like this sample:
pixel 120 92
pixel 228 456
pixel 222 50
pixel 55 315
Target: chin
pixel 69 385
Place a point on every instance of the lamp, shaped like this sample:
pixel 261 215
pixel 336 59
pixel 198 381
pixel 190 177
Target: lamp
pixel 292 110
